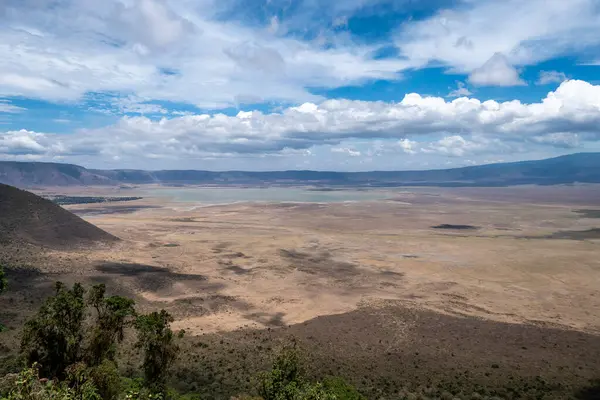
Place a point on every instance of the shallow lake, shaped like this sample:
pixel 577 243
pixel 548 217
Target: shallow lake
pixel 221 195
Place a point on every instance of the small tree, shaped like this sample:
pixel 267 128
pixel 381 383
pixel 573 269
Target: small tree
pixel 156 339
pixel 112 316
pixel 284 380
pixel 54 337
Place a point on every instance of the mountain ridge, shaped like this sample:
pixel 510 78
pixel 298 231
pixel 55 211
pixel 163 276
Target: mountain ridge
pixel 572 168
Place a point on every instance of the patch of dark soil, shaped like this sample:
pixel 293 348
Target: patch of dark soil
pixel 23 277
pixel 385 352
pixel 322 264
pixel 27 289
pixel 593 233
pixel 90 211
pixel 592 392
pixel 221 247
pixel 455 227
pixel 212 304
pixel 267 319
pixel 588 213
pixel 28 218
pixel 238 254
pixel 319 263
pixel 186 219
pixel 236 269
pixel 392 274
pixel 153 278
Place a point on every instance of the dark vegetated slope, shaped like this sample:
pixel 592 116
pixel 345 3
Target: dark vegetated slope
pixel 387 353
pixel 27 218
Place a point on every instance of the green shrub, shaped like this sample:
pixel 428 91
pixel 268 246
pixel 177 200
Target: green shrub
pixel 54 340
pixel 156 339
pixel 29 386
pixel 341 389
pixel 54 336
pixel 113 314
pixel 285 381
pixel 106 379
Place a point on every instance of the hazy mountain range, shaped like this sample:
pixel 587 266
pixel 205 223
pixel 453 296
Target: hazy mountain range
pixel 580 167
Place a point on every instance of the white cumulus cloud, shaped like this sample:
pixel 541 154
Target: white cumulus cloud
pixel 567 118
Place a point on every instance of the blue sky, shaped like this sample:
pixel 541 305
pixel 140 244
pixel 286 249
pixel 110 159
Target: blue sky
pixel 298 84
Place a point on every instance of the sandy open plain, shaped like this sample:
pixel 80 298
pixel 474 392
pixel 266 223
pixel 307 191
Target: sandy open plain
pixel 260 265
pixel 528 261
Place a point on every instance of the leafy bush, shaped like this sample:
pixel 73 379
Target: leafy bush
pixel 54 342
pixel 156 339
pixel 341 389
pixel 54 337
pixel 285 381
pixel 106 379
pixel 137 391
pixel 29 386
pixel 112 316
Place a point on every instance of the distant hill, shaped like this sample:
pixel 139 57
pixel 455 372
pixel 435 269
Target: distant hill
pixel 27 218
pixel 581 167
pixel 28 174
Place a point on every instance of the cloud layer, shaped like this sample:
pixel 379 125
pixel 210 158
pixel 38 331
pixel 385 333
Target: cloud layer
pixel 525 32
pixel 172 51
pixel 182 51
pixel 464 126
pixel 168 60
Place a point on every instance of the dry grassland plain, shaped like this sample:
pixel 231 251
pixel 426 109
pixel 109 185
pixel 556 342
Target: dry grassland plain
pixel 488 269
pixel 531 255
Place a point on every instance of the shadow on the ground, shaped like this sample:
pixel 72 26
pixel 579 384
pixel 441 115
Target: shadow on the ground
pixel 153 278
pixel 591 392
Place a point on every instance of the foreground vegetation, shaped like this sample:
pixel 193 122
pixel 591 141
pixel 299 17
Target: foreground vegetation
pixel 74 347
pixel 68 351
